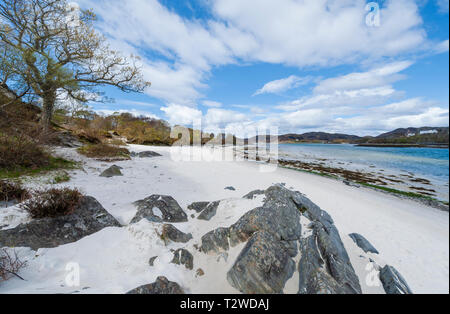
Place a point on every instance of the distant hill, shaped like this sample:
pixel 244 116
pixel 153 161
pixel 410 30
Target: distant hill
pixel 319 137
pixel 423 136
pixel 405 136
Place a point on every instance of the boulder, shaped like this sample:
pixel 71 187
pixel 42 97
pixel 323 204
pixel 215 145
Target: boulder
pixel 159 208
pixel 253 194
pixel 209 212
pixel 198 206
pixel 230 188
pixel 161 286
pixel 173 234
pixel 263 266
pixel 362 243
pixel 273 233
pixel 147 154
pixel 216 241
pixel 324 266
pixel 183 257
pixel 152 260
pixel 89 217
pixel 113 171
pixel 393 281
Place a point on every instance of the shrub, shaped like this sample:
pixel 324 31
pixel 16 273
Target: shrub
pixel 60 177
pixel 9 265
pixel 18 152
pixel 12 191
pixel 104 151
pixel 53 203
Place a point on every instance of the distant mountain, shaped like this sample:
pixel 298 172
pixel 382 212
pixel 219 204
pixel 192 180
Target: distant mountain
pixel 319 137
pixel 423 136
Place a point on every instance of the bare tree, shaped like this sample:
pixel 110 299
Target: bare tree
pixel 51 52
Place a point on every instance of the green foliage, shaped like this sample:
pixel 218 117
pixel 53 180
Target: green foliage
pixel 55 163
pixel 60 177
pixel 104 151
pixel 53 203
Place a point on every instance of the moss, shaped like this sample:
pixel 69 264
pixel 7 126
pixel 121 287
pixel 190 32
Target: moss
pixel 55 163
pixel 104 151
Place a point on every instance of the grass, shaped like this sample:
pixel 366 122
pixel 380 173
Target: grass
pixel 60 177
pixel 399 192
pixel 378 187
pixel 104 151
pixel 55 163
pixel 52 203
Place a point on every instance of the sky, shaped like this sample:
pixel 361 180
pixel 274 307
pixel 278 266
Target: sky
pixel 292 66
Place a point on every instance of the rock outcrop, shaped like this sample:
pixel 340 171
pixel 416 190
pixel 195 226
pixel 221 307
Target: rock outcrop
pixel 147 154
pixel 161 286
pixel 393 281
pixel 198 206
pixel 363 243
pixel 173 234
pixel 183 257
pixel 209 212
pixel 273 235
pixel 159 208
pixel 88 218
pixel 113 171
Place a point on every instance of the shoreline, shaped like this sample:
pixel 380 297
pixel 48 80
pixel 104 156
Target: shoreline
pixel 410 235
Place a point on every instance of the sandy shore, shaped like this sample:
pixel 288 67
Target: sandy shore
pixel 410 236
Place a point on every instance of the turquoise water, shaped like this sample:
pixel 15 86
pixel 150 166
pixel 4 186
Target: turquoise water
pixel 427 162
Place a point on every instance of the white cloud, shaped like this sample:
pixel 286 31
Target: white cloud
pixel 380 76
pixel 178 54
pixel 212 104
pixel 443 5
pixel 181 115
pixel 442 47
pixel 282 85
pixel 135 112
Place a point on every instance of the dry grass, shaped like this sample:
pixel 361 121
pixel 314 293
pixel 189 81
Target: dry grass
pixel 19 151
pixel 10 264
pixel 12 191
pixel 105 152
pixel 53 203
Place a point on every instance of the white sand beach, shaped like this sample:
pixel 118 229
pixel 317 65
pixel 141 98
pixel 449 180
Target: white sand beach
pixel 410 236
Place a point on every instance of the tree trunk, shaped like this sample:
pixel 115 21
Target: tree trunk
pixel 47 110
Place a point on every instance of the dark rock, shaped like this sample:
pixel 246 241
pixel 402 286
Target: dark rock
pixel 216 241
pixel 279 215
pixel 113 171
pixel 393 281
pixel 209 212
pixel 325 267
pixel 67 139
pixel 183 257
pixel 170 210
pixel 152 260
pixel 252 194
pixel 88 218
pixel 175 235
pixel 230 188
pixel 263 266
pixel 199 273
pixel 147 154
pixel 198 206
pixel 362 242
pixel 161 286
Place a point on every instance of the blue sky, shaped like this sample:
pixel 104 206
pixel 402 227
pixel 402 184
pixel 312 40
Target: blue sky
pixel 298 66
